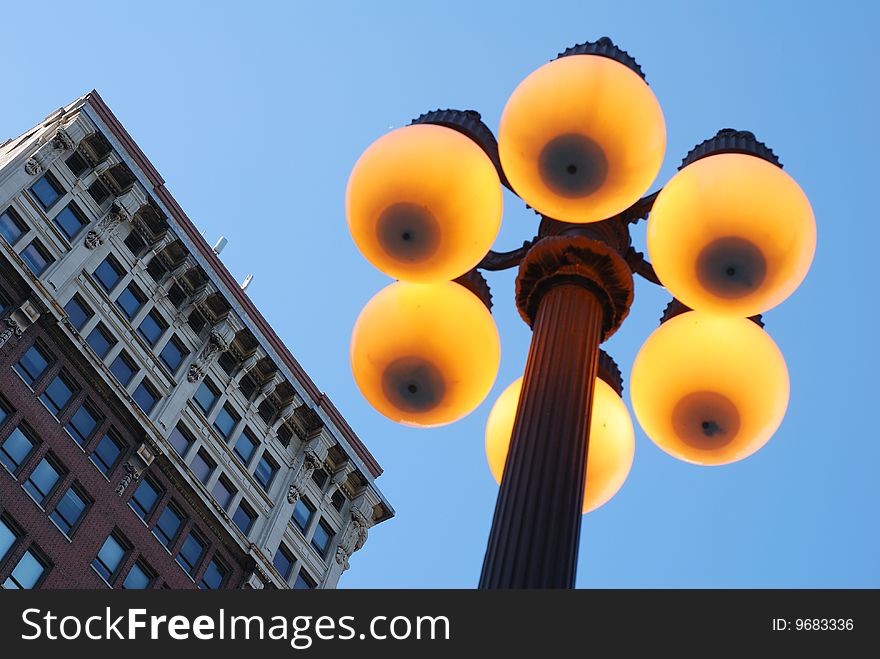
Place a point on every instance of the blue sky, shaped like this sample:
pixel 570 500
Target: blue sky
pixel 254 113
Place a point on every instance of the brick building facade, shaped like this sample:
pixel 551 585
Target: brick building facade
pixel 154 431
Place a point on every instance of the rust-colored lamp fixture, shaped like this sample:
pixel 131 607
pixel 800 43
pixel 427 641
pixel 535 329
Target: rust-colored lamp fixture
pixel 580 141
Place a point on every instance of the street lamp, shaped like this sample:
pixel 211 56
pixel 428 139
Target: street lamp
pixel 580 141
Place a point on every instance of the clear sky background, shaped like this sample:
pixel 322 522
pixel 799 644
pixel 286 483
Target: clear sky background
pixel 255 112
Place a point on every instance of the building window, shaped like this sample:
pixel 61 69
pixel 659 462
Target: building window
pixel 32 364
pixel 58 393
pixel 145 396
pixel 106 453
pixel 202 466
pixel 267 411
pixel 82 424
pixel 191 552
pixel 168 525
pixel 145 498
pixel 173 354
pixel 11 226
pixel 338 500
pixel 8 535
pixel 108 273
pixel 123 368
pixel 284 435
pixel 101 340
pixel 140 577
pixel 322 537
pixel 206 396
pixel 70 220
pixel 180 439
pixel 36 258
pixel 304 581
pixel 46 191
pixel 152 326
pixel 320 477
pixel 99 192
pixel 78 313
pixel 136 245
pixel 245 446
pixel 225 421
pixel 283 562
pixel 69 510
pixel 244 517
pixel 265 471
pixel 130 300
pixel 42 480
pixel 27 572
pixel 110 556
pixel 76 164
pixel 227 362
pixel 15 449
pixel 222 492
pixel 302 514
pixel 4 412
pixel 214 576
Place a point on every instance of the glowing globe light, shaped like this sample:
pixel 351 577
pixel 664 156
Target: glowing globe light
pixel 424 203
pixel 709 389
pixel 611 447
pixel 425 354
pixel 582 138
pixel 732 234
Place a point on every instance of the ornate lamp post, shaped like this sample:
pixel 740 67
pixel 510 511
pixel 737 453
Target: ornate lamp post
pixel 580 141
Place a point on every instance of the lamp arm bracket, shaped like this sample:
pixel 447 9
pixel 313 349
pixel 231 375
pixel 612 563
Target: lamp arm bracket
pixel 504 260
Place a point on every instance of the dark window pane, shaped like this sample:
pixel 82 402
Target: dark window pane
pixel 108 274
pixel 222 492
pixel 15 449
pixel 36 257
pixel 101 341
pixel 57 394
pixel 32 364
pixel 191 552
pixel 247 386
pixel 109 557
pixel 283 562
pixel 338 500
pixel 99 192
pixel 284 434
pixel 145 396
pixel 76 164
pixel 244 447
pixel 139 578
pixel 214 575
pixel 304 582
pixel 267 411
pixel 70 221
pixel 145 498
pixel 11 228
pixel 227 362
pixel 167 526
pixel 8 536
pixel 225 421
pixel 136 245
pixel 302 514
pixel 69 510
pixel 321 539
pixel 265 472
pixel 244 517
pixel 82 424
pixel 130 301
pixel 320 478
pixel 46 191
pixel 77 312
pixel 26 574
pixel 42 480
pixel 202 466
pixel 151 327
pixel 123 368
pixel 206 396
pixel 173 354
pixel 106 453
pixel 180 440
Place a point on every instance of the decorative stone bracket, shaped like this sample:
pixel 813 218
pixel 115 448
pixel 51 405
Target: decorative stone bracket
pixel 44 156
pixel 353 538
pixel 116 216
pixel 310 461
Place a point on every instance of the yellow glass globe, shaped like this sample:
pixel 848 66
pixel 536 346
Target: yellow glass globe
pixel 709 389
pixel 424 203
pixel 610 452
pixel 425 354
pixel 731 234
pixel 582 138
